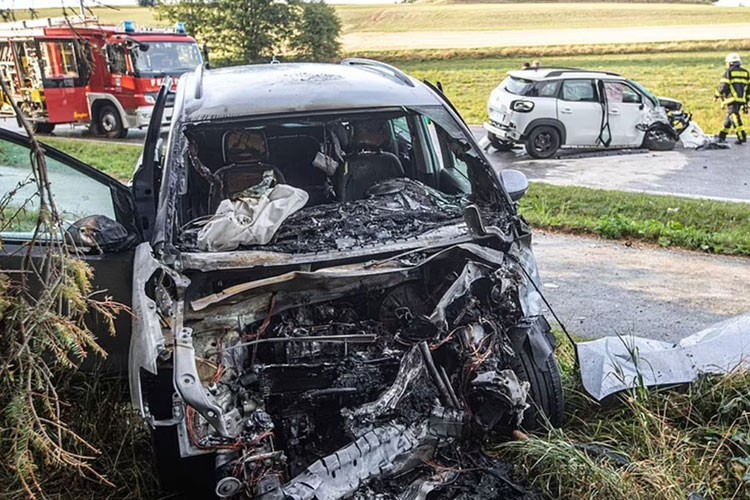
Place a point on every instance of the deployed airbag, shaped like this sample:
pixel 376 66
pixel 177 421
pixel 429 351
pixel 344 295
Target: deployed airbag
pixel 250 220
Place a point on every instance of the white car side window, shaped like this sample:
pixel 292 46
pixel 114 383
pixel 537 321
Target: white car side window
pixel 618 92
pixel 579 90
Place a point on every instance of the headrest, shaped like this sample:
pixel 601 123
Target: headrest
pixel 340 132
pixel 244 146
pixel 371 134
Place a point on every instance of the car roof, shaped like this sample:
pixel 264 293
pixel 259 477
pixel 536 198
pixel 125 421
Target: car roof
pixel 537 74
pixel 266 89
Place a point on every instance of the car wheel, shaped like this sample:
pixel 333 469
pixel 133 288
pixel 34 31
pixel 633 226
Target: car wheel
pixel 498 144
pixel 543 142
pixel 109 124
pixel 42 127
pixel 659 139
pixel 543 375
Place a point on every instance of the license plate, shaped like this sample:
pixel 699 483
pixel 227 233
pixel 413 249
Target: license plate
pixel 497 116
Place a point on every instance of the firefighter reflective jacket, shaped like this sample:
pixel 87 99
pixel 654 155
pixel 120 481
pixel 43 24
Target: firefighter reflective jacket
pixel 733 86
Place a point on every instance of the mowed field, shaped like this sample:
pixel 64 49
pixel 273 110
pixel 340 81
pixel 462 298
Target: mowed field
pixel 483 16
pixel 690 77
pixel 515 16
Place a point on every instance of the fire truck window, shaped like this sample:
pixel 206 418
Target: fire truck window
pixel 116 57
pixel 169 57
pixel 75 194
pixel 62 64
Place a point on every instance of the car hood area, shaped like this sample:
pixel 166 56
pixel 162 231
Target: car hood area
pixel 344 380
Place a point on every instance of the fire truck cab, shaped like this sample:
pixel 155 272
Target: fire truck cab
pixel 73 70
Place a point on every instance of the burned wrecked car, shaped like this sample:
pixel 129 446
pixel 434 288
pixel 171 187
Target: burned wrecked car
pixel 337 290
pixel 333 295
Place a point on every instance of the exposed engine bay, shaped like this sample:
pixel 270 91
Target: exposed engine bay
pixel 371 380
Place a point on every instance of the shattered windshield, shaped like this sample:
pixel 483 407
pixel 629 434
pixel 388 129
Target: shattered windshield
pixel 646 92
pixel 325 183
pixel 162 58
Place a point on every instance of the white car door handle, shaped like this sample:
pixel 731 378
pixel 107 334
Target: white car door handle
pixel 567 111
pixel 614 111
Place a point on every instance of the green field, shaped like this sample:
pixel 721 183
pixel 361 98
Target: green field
pixel 482 16
pixel 690 77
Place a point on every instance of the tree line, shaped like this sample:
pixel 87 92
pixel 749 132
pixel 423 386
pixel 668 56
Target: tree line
pixel 248 31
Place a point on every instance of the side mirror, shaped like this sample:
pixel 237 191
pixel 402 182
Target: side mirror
pixel 515 182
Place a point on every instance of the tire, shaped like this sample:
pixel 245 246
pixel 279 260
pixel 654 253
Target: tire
pixel 659 139
pixel 546 389
pixel 42 127
pixel 498 144
pixel 543 142
pixel 109 124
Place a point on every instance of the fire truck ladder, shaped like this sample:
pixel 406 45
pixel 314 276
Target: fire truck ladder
pixel 9 75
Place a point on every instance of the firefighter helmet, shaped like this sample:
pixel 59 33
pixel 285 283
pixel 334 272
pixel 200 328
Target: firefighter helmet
pixel 733 58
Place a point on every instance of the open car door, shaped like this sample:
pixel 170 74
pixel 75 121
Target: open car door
pixel 82 194
pixel 147 177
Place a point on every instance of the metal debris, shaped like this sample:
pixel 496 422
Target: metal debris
pixel 613 364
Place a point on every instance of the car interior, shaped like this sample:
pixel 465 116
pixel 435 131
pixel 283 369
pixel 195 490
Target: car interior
pixel 334 159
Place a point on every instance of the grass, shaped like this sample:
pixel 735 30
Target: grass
pixel 650 444
pixel 99 410
pixel 519 16
pixel 701 225
pixel 690 77
pixel 117 160
pixel 665 444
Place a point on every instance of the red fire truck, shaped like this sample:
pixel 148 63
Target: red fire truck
pixel 73 70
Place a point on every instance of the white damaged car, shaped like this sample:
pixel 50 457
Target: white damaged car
pixel 546 109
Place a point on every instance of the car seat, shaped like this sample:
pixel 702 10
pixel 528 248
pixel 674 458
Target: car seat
pixel 369 161
pixel 245 155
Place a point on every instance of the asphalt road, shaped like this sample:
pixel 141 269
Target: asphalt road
pixel 599 287
pixel 714 174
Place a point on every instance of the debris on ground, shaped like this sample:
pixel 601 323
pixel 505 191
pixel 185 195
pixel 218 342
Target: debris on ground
pixel 613 364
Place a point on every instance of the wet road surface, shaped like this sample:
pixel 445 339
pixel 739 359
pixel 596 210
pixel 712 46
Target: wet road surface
pixel 714 174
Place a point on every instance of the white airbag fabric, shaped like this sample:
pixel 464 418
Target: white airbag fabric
pixel 250 220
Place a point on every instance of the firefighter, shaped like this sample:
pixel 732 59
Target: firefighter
pixel 733 90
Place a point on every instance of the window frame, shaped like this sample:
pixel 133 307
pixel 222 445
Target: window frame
pixel 592 81
pixel 627 85
pixel 122 200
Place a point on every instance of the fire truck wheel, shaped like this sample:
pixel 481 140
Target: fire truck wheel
pixel 42 127
pixel 109 124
